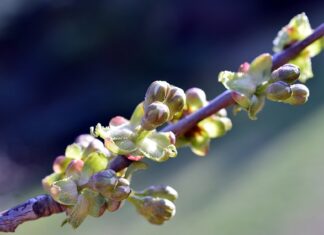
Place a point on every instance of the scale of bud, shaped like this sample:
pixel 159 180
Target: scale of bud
pixel 300 94
pixel 278 91
pixel 288 73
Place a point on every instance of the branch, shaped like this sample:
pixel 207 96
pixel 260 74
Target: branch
pixel 44 205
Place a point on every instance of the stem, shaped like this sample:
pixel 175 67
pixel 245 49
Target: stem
pixel 44 205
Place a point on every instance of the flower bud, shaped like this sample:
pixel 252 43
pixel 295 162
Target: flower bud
pixel 103 181
pixel 49 180
pixel 64 192
pixel 226 122
pixel 299 95
pixel 288 73
pixel 278 91
pixel 162 191
pixel 176 100
pixel 155 210
pixel 155 115
pixel 157 91
pixel 195 98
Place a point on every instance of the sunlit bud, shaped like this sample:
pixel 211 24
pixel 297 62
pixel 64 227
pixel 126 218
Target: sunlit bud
pixel 73 151
pixel 176 100
pixel 157 91
pixel 155 115
pixel 196 98
pixel 103 181
pixel 257 103
pixel 162 191
pixel 74 169
pixel 278 91
pixel 300 94
pixel 241 99
pixel 64 192
pixel 84 140
pixel 60 164
pixel 155 210
pixel 287 73
pixel 117 121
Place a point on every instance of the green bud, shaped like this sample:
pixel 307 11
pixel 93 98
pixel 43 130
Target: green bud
pixel 60 164
pixel 222 113
pixel 300 94
pixel 155 210
pixel 257 103
pixel 278 91
pixel 196 98
pixel 226 122
pixel 288 73
pixel 74 151
pixel 162 191
pixel 157 91
pixel 155 115
pixel 64 192
pixel 176 100
pixel 103 181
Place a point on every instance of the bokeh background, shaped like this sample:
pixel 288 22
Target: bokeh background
pixel 66 65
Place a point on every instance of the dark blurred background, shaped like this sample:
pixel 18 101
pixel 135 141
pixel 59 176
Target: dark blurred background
pixel 67 65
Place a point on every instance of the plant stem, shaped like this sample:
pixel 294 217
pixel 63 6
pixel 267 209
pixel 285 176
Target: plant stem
pixel 44 205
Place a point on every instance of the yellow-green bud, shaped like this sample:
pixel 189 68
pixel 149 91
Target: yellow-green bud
pixel 157 91
pixel 95 146
pixel 287 73
pixel 226 122
pixel 300 94
pixel 155 115
pixel 196 98
pixel 176 100
pixel 278 91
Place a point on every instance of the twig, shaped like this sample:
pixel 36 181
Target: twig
pixel 44 205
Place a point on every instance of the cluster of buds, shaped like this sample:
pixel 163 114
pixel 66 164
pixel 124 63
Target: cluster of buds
pixel 216 125
pixel 81 183
pixel 297 29
pixel 137 138
pixel 162 103
pixel 155 203
pixel 282 88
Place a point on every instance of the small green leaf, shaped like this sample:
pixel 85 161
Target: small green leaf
pixel 137 115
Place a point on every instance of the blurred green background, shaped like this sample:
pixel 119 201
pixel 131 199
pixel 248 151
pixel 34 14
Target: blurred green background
pixel 66 65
